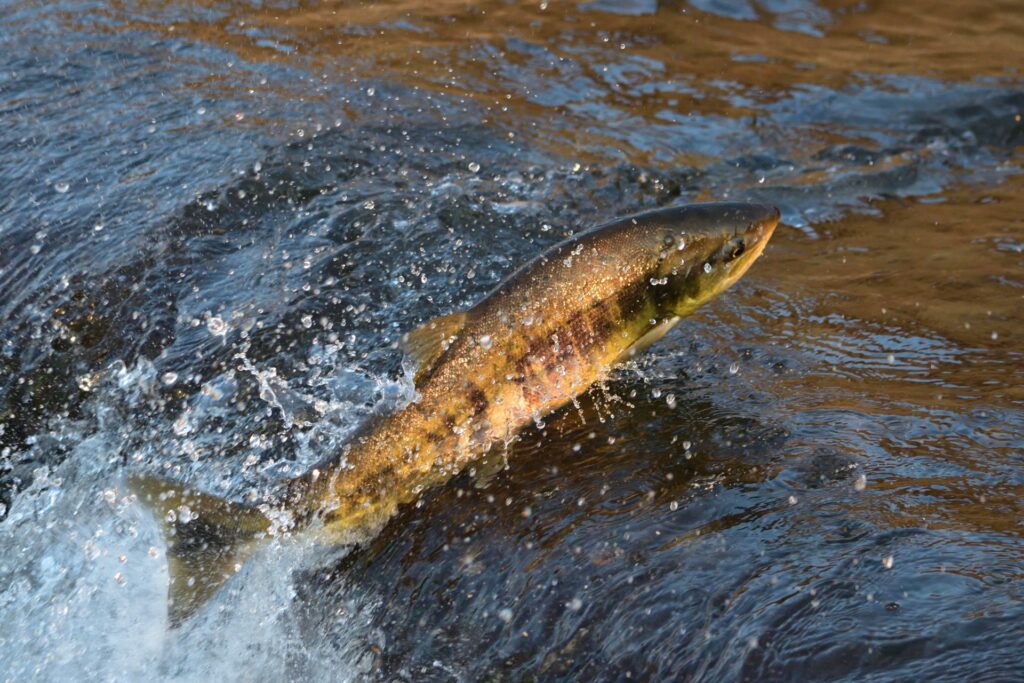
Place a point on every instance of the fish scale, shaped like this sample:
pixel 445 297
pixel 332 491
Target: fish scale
pixel 543 336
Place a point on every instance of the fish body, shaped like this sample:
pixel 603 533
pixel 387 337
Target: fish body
pixel 543 336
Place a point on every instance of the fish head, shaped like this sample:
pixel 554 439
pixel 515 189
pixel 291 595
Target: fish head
pixel 705 249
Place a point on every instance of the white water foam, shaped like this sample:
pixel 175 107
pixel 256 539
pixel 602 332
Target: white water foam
pixel 83 572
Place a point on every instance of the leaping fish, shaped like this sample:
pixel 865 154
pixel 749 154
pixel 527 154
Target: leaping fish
pixel 540 338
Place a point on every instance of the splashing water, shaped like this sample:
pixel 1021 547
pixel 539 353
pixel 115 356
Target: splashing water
pixel 218 222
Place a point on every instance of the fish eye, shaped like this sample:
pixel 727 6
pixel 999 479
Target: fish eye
pixel 735 249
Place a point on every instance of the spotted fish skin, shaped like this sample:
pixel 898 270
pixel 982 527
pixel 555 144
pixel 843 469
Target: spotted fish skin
pixel 542 337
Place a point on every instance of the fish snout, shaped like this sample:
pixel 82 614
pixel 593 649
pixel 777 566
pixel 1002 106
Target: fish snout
pixel 758 225
pixel 748 230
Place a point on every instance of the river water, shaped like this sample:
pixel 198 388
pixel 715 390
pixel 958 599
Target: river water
pixel 217 218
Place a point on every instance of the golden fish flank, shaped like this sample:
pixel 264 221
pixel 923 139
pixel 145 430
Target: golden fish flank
pixel 540 338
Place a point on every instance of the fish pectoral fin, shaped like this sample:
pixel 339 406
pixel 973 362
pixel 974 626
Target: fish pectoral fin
pixel 206 538
pixel 426 343
pixel 644 342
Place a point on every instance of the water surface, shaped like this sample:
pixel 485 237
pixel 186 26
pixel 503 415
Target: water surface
pixel 216 221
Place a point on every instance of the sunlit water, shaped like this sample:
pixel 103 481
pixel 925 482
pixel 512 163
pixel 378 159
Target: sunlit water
pixel 217 221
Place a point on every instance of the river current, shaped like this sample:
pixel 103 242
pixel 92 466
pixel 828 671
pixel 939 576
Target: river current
pixel 218 218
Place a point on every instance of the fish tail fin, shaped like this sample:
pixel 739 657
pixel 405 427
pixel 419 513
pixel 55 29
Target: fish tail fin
pixel 207 539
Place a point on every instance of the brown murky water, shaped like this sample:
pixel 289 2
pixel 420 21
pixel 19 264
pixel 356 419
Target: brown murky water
pixel 218 217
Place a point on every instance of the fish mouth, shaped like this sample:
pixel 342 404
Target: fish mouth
pixel 763 218
pixel 759 227
pixel 753 226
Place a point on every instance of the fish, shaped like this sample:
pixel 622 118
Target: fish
pixel 544 335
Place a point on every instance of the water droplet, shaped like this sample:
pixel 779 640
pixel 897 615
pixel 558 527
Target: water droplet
pixel 995 335
pixel 673 506
pixel 98 227
pixel 861 482
pixel 307 321
pixel 119 578
pixel 217 326
pixel 181 426
pixel 575 604
pixel 734 368
pixel 371 91
pixel 485 341
pixel 153 552
pixel 707 267
pixel 369 205
pixel 681 244
pixel 887 562
pixel 201 111
pixel 169 378
pixel 505 615
pixel 891 358
pixel 474 167
pixel 671 400
pixel 61 187
pixel 793 500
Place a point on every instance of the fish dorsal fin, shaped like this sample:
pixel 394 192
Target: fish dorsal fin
pixel 426 343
